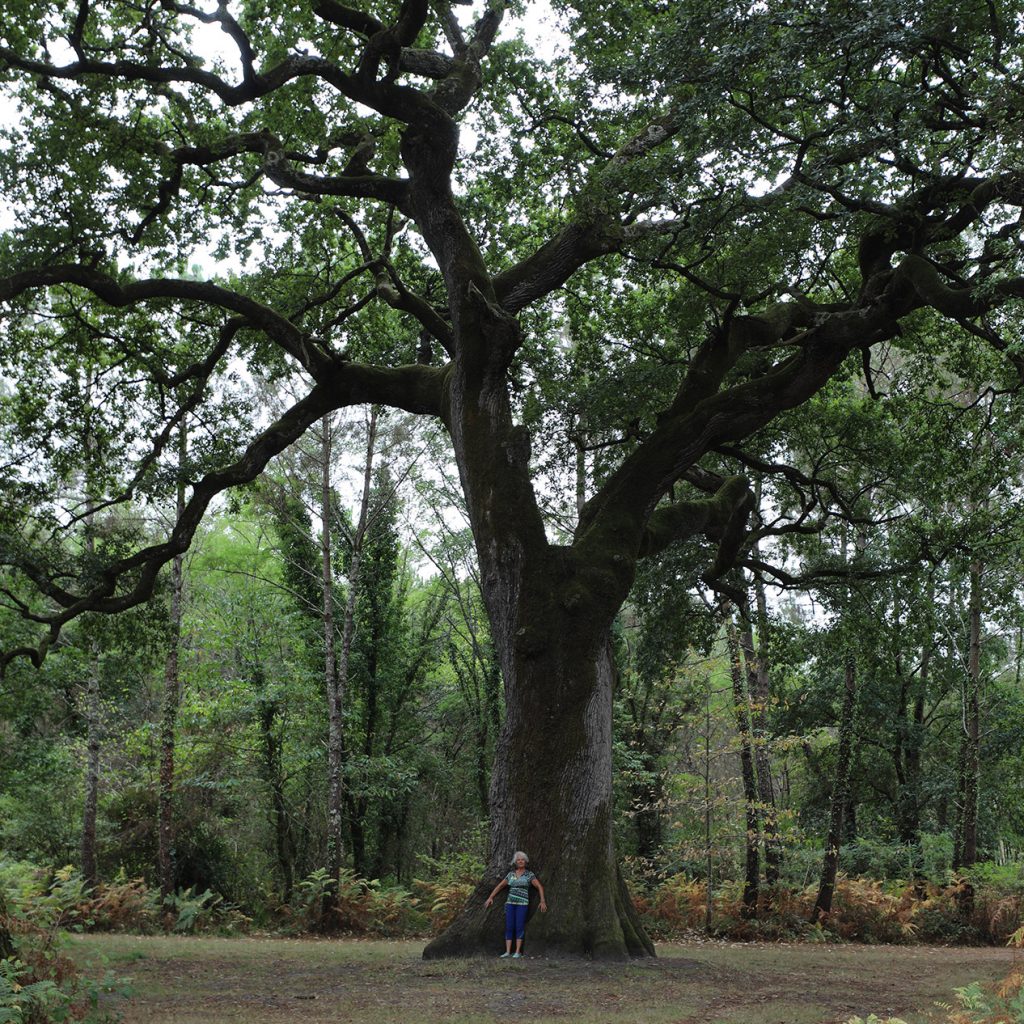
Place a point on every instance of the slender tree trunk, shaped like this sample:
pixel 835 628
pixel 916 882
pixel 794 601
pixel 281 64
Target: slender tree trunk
pixel 759 689
pixel 169 707
pixel 709 859
pixel 93 729
pixel 93 704
pixel 273 773
pixel 335 736
pixel 840 793
pixel 7 951
pixel 348 629
pixel 93 713
pixel 971 732
pixel 1018 657
pixel 909 809
pixel 759 696
pixel 356 818
pixel 741 705
pixel 168 721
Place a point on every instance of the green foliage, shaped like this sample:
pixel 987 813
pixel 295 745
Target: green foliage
pixel 202 912
pixel 354 904
pixel 42 985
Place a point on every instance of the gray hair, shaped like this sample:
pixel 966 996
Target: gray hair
pixel 517 855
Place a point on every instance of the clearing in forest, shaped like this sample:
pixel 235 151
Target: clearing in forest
pixel 267 981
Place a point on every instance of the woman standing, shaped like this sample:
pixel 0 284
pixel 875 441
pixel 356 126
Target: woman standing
pixel 518 881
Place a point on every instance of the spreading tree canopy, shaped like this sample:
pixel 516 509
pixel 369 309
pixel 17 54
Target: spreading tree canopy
pixel 639 252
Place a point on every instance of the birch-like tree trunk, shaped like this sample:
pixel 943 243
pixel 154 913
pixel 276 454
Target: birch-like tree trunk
pixel 336 668
pixel 966 849
pixel 760 699
pixel 93 708
pixel 741 705
pixel 92 705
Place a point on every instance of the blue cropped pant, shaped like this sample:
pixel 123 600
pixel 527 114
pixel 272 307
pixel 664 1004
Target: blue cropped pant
pixel 515 920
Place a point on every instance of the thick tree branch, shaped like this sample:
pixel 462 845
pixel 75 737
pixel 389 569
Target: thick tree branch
pixel 721 517
pixel 277 166
pixel 922 278
pixel 295 342
pixel 347 17
pixel 596 232
pixel 615 517
pixel 463 80
pixel 229 25
pixel 795 477
pixel 233 95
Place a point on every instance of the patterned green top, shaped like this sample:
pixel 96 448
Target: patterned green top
pixel 519 888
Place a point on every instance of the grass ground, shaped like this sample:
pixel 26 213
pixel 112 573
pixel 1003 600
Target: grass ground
pixel 270 981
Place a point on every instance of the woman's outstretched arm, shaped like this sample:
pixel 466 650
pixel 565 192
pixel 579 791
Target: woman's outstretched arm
pixel 494 892
pixel 543 902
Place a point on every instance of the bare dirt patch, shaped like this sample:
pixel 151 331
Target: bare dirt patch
pixel 269 981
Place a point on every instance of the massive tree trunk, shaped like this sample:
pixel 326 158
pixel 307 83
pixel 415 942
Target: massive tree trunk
pixel 551 795
pixel 551 609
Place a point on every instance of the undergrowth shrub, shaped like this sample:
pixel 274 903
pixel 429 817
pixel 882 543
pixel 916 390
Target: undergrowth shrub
pixel 985 906
pixel 453 879
pixel 40 984
pixel 63 899
pixel 354 904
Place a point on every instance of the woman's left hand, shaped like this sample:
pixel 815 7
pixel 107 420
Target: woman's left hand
pixel 543 906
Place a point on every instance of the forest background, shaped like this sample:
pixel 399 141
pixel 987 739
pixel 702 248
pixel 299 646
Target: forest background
pixel 298 730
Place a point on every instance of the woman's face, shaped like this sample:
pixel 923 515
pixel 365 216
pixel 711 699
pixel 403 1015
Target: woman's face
pixel 520 863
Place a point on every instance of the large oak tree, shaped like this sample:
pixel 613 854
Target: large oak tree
pixel 696 215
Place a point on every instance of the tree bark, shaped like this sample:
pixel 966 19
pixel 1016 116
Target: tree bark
pixel 840 795
pixel 551 795
pixel 7 951
pixel 741 705
pixel 93 704
pixel 910 804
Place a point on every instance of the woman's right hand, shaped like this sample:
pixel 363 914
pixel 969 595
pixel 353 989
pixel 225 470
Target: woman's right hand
pixel 490 900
